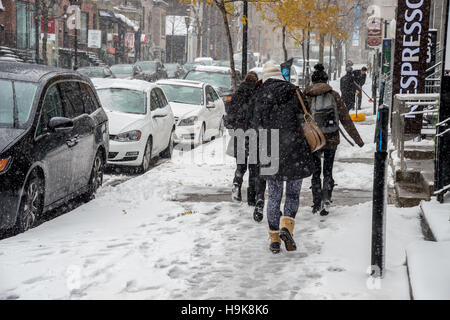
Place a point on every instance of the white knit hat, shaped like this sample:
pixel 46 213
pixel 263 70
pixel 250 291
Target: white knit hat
pixel 270 70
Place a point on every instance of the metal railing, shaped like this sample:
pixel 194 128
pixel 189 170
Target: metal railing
pixel 401 109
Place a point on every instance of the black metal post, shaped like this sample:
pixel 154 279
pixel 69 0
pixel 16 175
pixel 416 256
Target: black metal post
pixel 38 29
pixel 380 194
pixel 244 39
pixel 75 45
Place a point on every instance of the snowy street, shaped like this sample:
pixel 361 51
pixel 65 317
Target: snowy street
pixel 173 233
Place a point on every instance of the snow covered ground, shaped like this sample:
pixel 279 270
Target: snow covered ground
pixel 155 237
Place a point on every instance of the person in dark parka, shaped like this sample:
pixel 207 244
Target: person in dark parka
pixel 348 89
pixel 360 77
pixel 322 194
pixel 238 116
pixel 277 107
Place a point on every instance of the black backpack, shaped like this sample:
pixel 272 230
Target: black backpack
pixel 325 112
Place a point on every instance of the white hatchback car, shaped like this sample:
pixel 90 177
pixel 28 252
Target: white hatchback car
pixel 198 109
pixel 141 122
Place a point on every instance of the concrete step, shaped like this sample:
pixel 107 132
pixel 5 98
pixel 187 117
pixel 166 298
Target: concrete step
pixel 428 182
pixel 416 154
pixel 428 264
pixel 410 194
pixel 436 218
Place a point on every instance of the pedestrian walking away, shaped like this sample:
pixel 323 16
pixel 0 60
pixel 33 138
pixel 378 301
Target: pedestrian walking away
pixel 360 80
pixel 277 108
pixel 348 89
pixel 239 111
pixel 328 109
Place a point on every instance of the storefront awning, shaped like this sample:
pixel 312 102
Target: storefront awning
pixel 128 22
pixel 106 14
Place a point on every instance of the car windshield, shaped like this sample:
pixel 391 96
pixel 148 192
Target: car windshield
pixel 16 112
pixel 216 79
pixel 183 94
pixel 92 73
pixel 171 67
pixel 122 69
pixel 147 66
pixel 123 100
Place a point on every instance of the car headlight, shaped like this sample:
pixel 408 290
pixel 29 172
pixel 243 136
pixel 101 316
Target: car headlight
pixel 5 164
pixel 129 136
pixel 188 121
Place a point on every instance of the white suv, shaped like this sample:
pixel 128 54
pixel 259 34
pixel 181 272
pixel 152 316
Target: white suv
pixel 141 122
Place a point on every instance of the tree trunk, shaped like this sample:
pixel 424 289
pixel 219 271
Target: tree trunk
pixel 321 48
pixel 230 43
pixel 199 39
pixel 283 30
pixel 308 42
pixel 304 61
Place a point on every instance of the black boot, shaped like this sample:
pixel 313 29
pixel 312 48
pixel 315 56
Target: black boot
pixel 328 185
pixel 236 195
pixel 258 213
pixel 317 198
pixel 251 196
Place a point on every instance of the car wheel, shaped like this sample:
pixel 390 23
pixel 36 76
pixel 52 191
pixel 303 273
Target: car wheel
pixel 147 158
pixel 167 153
pixel 96 178
pixel 31 204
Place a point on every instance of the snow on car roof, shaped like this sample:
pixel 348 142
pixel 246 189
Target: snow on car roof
pixel 213 69
pixel 187 83
pixel 123 84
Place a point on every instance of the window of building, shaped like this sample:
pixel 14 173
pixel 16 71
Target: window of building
pixel 25 25
pixel 84 27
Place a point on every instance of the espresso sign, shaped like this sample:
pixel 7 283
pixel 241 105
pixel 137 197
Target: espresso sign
pixel 411 46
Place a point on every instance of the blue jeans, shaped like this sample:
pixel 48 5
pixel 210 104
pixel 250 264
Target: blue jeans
pixel 350 106
pixel 293 188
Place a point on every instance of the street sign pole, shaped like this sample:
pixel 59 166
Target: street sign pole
pixel 244 39
pixel 380 194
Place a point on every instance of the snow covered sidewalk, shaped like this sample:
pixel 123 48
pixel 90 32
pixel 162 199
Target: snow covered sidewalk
pixel 146 239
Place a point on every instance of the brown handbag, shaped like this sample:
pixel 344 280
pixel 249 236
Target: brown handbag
pixel 314 136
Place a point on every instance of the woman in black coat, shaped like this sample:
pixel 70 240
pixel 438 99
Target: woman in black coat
pixel 277 107
pixel 239 111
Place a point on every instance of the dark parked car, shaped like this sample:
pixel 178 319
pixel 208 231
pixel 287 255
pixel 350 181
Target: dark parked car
pixel 53 141
pixel 175 71
pixel 218 77
pixel 97 72
pixel 151 71
pixel 126 71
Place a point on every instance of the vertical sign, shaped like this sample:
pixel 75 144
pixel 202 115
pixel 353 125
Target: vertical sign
pixel 374 32
pixel 387 56
pixel 411 54
pixel 432 50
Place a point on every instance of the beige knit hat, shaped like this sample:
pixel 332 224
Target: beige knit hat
pixel 270 70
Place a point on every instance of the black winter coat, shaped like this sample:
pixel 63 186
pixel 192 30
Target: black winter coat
pixel 276 106
pixel 238 108
pixel 348 88
pixel 359 77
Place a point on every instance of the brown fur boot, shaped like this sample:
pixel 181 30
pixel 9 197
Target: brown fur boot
pixel 275 241
pixel 287 233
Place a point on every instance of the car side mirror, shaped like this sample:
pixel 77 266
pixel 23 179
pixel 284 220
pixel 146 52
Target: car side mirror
pixel 210 105
pixel 60 124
